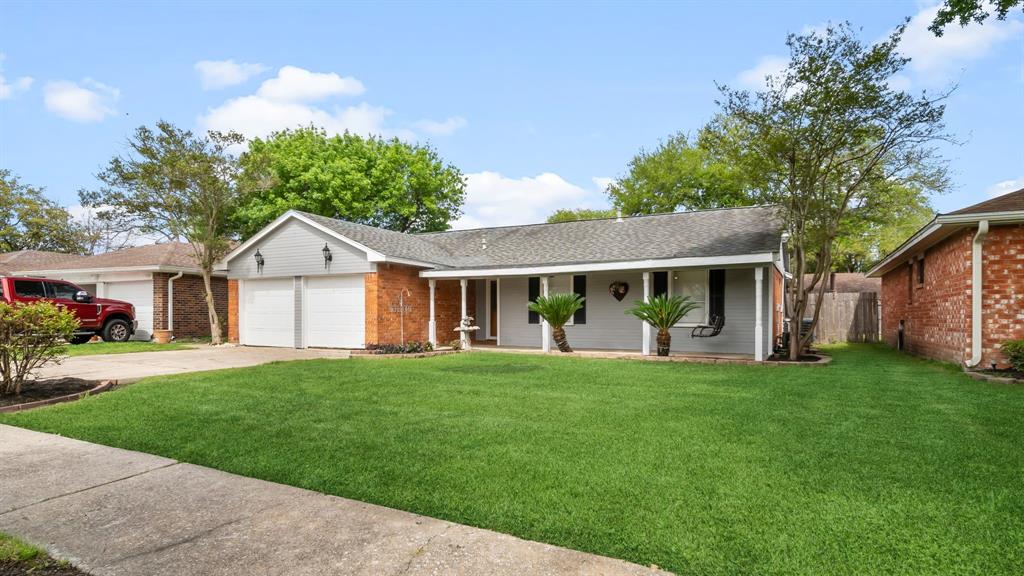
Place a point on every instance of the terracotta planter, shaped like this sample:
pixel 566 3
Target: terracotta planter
pixel 162 336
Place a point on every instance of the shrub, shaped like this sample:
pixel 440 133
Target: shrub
pixel 31 336
pixel 414 347
pixel 1014 352
pixel 557 309
pixel 663 312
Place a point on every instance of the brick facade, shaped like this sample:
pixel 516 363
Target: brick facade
pixel 190 315
pixel 384 321
pixel 937 312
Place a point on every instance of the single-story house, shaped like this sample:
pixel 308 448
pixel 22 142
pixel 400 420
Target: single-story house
pixel 162 281
pixel 311 281
pixel 10 262
pixel 954 291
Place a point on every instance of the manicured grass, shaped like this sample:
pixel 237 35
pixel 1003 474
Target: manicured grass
pixel 17 557
pixel 93 348
pixel 877 464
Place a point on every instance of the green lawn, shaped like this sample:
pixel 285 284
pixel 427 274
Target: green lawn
pixel 876 464
pixel 17 557
pixel 93 348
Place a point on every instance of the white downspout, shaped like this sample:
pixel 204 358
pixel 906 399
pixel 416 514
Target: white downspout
pixel 170 302
pixel 976 293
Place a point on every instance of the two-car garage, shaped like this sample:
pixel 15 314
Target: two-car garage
pixel 303 312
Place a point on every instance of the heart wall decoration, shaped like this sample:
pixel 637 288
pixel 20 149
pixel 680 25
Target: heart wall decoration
pixel 618 290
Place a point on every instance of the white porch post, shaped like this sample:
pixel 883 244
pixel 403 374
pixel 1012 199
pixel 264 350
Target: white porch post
pixel 758 313
pixel 432 323
pixel 646 349
pixel 463 336
pixel 545 330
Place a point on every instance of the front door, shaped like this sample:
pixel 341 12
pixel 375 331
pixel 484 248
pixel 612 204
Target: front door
pixel 492 310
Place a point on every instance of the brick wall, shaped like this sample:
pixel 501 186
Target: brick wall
pixel 938 312
pixel 383 290
pixel 233 311
pixel 190 316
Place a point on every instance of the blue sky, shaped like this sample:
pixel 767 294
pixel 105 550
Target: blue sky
pixel 538 103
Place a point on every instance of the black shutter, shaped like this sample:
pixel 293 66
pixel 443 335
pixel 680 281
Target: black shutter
pixel 660 283
pixel 534 293
pixel 716 287
pixel 579 286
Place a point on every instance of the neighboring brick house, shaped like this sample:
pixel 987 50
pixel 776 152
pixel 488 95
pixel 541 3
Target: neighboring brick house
pixel 144 276
pixel 929 303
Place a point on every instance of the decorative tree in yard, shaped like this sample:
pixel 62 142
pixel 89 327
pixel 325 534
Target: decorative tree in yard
pixel 557 309
pixel 31 221
pixel 826 138
pixel 663 312
pixel 177 185
pixel 31 336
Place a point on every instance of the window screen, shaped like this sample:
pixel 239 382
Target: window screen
pixel 534 293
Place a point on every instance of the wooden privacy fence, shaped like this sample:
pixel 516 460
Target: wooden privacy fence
pixel 847 317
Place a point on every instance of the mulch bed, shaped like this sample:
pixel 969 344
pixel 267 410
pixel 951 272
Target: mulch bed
pixel 1016 374
pixel 805 359
pixel 43 566
pixel 46 389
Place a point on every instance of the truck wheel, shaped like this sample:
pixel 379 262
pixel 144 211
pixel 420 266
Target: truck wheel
pixel 117 330
pixel 81 339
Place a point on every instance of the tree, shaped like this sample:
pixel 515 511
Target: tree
pixel 677 175
pixel 570 215
pixel 30 221
pixel 829 135
pixel 106 233
pixel 385 183
pixel 878 224
pixel 966 11
pixel 31 336
pixel 179 186
pixel 663 312
pixel 557 309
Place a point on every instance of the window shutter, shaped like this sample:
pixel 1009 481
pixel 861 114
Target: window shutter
pixel 716 296
pixel 534 293
pixel 579 286
pixel 660 284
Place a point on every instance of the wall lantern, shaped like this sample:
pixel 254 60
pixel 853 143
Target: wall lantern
pixel 328 257
pixel 259 261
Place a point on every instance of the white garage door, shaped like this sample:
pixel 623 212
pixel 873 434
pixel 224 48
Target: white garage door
pixel 140 294
pixel 335 312
pixel 268 312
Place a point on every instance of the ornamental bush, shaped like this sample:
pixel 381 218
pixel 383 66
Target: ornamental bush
pixel 1014 352
pixel 31 336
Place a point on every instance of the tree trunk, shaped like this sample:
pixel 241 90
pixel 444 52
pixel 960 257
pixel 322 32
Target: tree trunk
pixel 211 309
pixel 560 340
pixel 664 342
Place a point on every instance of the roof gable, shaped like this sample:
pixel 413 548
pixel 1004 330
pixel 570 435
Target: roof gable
pixel 1010 202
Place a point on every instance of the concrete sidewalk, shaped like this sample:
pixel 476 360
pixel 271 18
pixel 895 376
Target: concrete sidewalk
pixel 116 512
pixel 133 366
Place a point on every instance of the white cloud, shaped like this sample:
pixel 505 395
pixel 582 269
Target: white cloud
pixel 443 128
pixel 602 182
pixel 9 90
pixel 294 84
pixel 214 74
pixel 1005 187
pixel 934 58
pixel 89 101
pixel 754 78
pixel 495 200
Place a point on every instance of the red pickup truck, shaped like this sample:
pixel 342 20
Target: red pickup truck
pixel 112 320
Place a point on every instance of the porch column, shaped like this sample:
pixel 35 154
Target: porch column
pixel 431 323
pixel 463 336
pixel 758 313
pixel 545 329
pixel 646 349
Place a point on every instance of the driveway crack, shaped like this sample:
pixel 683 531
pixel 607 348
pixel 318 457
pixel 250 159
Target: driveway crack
pixel 416 553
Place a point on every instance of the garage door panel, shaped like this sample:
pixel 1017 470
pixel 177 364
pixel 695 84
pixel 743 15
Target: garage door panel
pixel 139 294
pixel 335 312
pixel 268 309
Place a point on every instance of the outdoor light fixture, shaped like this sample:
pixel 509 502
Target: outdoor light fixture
pixel 327 256
pixel 259 260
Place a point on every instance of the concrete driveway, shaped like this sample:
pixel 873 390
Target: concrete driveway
pixel 133 366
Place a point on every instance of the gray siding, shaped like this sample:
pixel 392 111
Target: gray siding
pixel 294 249
pixel 298 312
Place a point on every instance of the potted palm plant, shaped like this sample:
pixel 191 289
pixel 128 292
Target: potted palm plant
pixel 663 312
pixel 558 309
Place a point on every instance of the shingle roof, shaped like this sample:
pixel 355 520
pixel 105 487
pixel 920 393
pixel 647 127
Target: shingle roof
pixel 175 254
pixel 34 260
pixel 1009 202
pixel 723 232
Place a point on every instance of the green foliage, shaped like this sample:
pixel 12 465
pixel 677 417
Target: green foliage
pixel 178 185
pixel 31 336
pixel 677 175
pixel 663 312
pixel 966 11
pixel 557 308
pixel 570 215
pixel 877 224
pixel 30 221
pixel 384 183
pixel 1014 352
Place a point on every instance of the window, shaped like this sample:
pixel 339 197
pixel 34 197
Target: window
pixel 29 289
pixel 920 270
pixel 62 291
pixel 660 283
pixel 579 286
pixel 716 293
pixel 534 293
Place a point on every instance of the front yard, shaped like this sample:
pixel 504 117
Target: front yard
pixel 94 348
pixel 878 463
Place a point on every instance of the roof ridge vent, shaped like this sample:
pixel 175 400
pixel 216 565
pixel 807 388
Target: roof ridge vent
pixel 618 214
